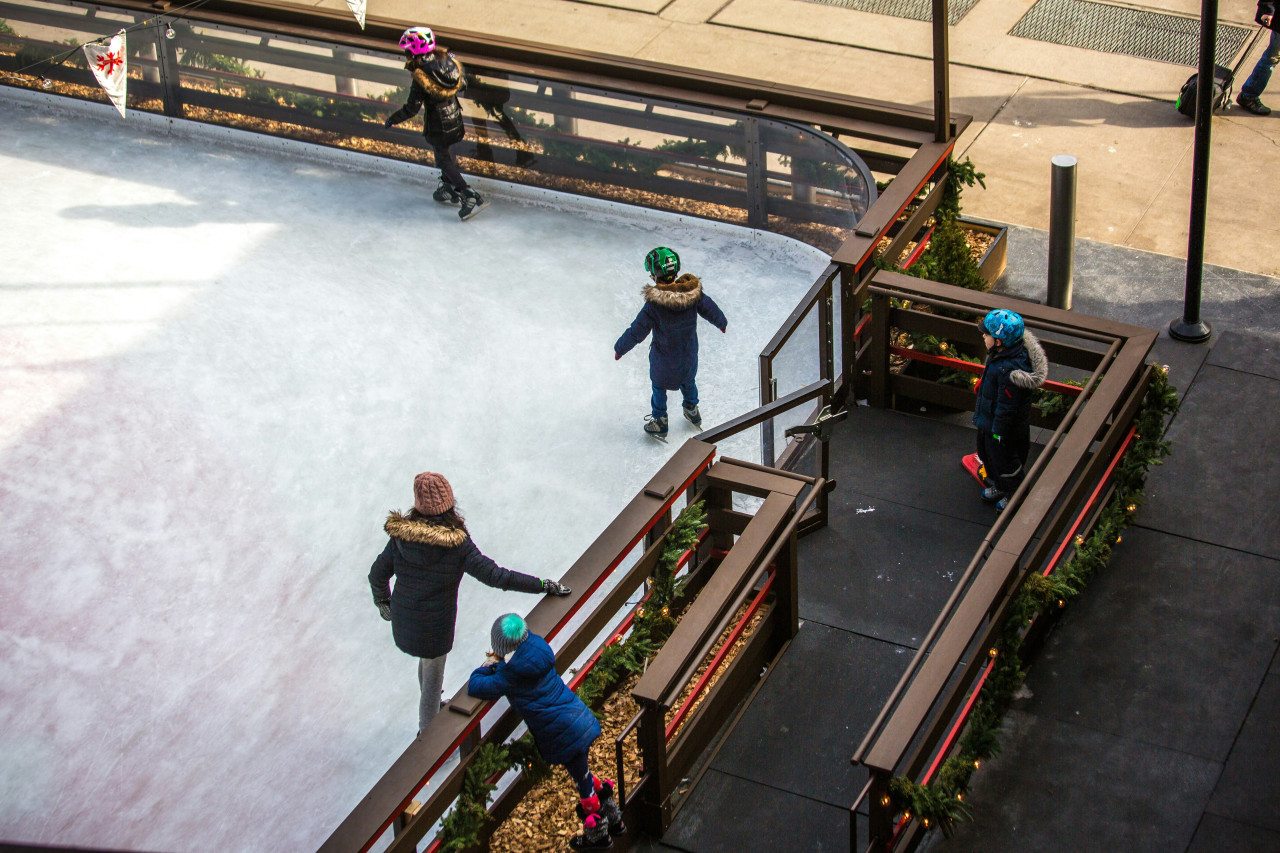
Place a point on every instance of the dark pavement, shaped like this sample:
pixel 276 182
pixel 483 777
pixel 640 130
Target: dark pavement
pixel 1151 718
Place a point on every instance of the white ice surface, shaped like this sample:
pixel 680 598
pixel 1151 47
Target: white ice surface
pixel 220 366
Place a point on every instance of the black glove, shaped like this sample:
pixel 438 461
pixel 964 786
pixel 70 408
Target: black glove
pixel 384 609
pixel 551 587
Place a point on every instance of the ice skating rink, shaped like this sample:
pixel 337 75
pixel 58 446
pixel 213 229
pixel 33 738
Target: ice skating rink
pixel 220 367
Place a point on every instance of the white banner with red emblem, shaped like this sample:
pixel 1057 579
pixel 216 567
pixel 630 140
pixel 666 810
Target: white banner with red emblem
pixel 109 64
pixel 357 9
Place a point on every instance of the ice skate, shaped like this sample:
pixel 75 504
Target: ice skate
pixel 595 828
pixel 692 416
pixel 446 194
pixel 609 807
pixel 472 204
pixel 656 427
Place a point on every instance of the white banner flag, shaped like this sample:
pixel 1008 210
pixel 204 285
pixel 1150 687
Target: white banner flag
pixel 357 9
pixel 109 64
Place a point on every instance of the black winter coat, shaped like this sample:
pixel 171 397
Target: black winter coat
pixel 428 560
pixel 1003 404
pixel 437 80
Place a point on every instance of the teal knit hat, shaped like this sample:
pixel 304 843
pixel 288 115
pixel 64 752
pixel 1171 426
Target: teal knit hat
pixel 507 633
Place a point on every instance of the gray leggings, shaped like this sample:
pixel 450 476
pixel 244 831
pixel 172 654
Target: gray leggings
pixel 431 682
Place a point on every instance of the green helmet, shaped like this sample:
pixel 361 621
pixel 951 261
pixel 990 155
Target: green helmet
pixel 662 263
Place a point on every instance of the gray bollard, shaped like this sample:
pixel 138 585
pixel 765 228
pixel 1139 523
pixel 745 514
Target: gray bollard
pixel 1062 230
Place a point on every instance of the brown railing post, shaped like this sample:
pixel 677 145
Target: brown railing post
pixel 651 737
pixel 167 61
pixel 757 189
pixel 853 387
pixel 878 390
pixel 786 586
pixel 879 813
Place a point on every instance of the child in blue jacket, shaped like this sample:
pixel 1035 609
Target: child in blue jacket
pixel 563 728
pixel 671 309
pixel 1016 366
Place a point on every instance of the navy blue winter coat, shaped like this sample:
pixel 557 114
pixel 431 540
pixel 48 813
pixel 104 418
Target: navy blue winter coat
pixel 671 312
pixel 562 726
pixel 1002 403
pixel 428 560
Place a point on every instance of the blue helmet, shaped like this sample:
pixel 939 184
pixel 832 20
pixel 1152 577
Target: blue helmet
pixel 1004 325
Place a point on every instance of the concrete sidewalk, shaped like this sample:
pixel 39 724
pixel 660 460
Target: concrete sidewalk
pixel 1029 99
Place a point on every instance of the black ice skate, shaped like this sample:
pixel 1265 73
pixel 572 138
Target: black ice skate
pixel 472 204
pixel 656 427
pixel 609 808
pixel 446 194
pixel 595 831
pixel 691 415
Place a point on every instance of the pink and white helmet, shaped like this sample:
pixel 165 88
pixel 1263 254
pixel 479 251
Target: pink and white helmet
pixel 418 41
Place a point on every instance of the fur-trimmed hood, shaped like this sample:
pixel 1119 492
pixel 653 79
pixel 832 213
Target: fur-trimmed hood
pixel 428 83
pixel 422 532
pixel 682 293
pixel 1039 364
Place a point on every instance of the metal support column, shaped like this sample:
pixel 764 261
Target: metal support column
pixel 1190 327
pixel 1062 230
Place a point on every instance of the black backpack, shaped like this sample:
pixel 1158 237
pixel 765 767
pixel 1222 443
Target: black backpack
pixel 1223 78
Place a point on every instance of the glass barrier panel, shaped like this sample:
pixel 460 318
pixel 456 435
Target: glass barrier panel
pixel 717 164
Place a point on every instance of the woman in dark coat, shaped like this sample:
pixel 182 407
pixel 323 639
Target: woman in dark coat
pixel 428 552
pixel 671 309
pixel 563 728
pixel 437 80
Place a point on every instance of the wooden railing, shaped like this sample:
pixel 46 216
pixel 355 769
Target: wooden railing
pixel 737 550
pixel 1059 500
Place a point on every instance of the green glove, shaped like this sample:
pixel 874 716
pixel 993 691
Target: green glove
pixel 996 437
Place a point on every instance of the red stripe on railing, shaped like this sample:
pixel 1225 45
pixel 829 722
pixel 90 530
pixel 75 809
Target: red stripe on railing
pixel 919 249
pixel 971 367
pixel 720 655
pixel 964 716
pixel 1071 534
pixel 905 204
pixel 857 330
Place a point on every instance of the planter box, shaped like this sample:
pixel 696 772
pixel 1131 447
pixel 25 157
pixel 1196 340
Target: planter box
pixel 991 265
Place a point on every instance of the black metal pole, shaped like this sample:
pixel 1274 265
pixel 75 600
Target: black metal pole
pixel 941 74
pixel 1190 327
pixel 1062 230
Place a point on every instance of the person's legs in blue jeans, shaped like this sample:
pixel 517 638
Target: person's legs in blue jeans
pixel 1261 75
pixel 659 402
pixel 689 391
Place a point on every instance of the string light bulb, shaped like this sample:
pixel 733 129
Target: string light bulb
pixel 993 651
pixel 169 33
pixel 976 764
pixel 884 801
pixel 960 798
pixel 1079 541
pixel 1062 603
pixel 1132 508
pixel 925 823
pixel 45 83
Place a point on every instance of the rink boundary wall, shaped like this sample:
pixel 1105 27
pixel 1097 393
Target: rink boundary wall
pixel 358 161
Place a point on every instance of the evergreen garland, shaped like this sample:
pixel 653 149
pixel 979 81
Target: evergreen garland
pixel 654 621
pixel 941 803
